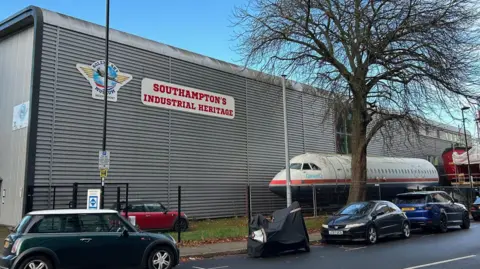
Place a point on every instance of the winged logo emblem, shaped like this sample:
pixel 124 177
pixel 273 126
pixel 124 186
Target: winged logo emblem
pixel 95 74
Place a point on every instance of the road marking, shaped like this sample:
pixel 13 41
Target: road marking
pixel 440 262
pixel 350 249
pixel 219 267
pixel 426 235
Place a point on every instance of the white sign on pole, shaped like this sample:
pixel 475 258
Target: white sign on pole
pixel 93 199
pixel 104 160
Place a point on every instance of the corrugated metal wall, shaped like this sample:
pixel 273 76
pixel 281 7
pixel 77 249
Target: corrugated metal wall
pixel 15 81
pixel 156 150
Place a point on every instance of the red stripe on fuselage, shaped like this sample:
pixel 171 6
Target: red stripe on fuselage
pixel 330 181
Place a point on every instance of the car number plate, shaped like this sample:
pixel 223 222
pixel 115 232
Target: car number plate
pixel 335 232
pixel 408 209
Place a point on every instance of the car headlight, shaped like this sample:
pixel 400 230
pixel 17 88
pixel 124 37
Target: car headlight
pixel 349 226
pixel 325 226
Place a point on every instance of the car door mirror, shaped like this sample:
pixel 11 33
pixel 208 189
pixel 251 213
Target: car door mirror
pixel 125 233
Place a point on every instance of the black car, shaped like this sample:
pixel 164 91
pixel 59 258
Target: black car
pixel 366 221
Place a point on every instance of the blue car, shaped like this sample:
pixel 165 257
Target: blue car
pixel 433 209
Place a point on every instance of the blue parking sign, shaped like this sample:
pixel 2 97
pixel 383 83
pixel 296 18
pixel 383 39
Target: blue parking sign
pixel 93 202
pixel 93 199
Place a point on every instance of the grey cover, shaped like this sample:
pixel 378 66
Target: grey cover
pixel 286 231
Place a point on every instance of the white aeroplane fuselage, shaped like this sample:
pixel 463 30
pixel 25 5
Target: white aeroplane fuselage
pixel 331 174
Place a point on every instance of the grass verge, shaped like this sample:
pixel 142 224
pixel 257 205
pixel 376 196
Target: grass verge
pixel 228 230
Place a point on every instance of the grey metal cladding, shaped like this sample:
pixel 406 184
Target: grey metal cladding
pixel 208 156
pixel 266 155
pixel 319 133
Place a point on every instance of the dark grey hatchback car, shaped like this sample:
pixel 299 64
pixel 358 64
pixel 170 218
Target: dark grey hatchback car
pixel 75 239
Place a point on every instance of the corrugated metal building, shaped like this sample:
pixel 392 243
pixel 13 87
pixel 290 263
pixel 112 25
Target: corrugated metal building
pixel 47 86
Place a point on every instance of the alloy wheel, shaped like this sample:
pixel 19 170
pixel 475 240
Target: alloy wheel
pixel 181 225
pixel 443 224
pixel 36 264
pixel 372 235
pixel 161 260
pixel 406 230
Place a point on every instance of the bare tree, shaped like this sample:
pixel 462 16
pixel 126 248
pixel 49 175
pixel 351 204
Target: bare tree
pixel 385 60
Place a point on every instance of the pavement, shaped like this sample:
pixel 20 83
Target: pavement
pixel 457 249
pixel 228 248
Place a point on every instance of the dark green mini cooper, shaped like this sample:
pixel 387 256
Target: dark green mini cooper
pixel 76 238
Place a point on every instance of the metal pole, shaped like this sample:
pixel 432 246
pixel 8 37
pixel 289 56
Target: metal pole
pixel 287 159
pixel 179 210
pixel 105 93
pixel 468 156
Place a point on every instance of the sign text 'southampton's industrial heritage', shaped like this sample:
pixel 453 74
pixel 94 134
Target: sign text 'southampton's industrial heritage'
pixel 95 74
pixel 171 96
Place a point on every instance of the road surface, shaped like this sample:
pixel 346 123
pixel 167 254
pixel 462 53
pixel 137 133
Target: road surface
pixel 457 249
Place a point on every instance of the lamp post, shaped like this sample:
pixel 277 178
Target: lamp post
pixel 105 93
pixel 287 159
pixel 468 155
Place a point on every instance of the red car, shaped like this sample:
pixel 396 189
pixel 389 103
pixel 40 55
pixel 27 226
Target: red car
pixel 152 215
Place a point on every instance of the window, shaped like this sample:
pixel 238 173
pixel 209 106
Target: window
pixel 314 167
pixel 136 208
pixel 391 208
pixel 343 130
pixel 154 207
pixel 411 199
pixel 306 166
pixel 48 224
pixel 381 208
pixel 102 223
pixel 23 224
pixel 356 208
pixel 295 166
pixel 439 198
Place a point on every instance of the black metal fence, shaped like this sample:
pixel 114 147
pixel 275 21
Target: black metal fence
pixel 44 197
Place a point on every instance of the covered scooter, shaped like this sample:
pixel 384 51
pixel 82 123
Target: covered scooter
pixel 286 231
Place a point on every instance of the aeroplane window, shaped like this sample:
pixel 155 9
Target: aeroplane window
pixel 306 166
pixel 295 166
pixel 314 166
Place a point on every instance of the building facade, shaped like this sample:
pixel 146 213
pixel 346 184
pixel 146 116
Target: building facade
pixel 175 118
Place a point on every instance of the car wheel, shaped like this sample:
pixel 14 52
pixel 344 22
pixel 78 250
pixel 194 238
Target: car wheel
pixel 372 235
pixel 180 225
pixel 36 262
pixel 466 221
pixel 406 230
pixel 161 258
pixel 443 226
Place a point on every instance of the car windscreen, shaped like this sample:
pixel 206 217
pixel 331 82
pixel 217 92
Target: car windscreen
pixel 411 199
pixel 22 225
pixel 356 209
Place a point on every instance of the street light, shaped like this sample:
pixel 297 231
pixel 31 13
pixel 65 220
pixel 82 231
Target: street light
pixel 468 155
pixel 105 93
pixel 287 160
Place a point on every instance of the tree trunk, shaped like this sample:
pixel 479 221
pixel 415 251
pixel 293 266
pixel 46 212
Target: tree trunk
pixel 358 186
